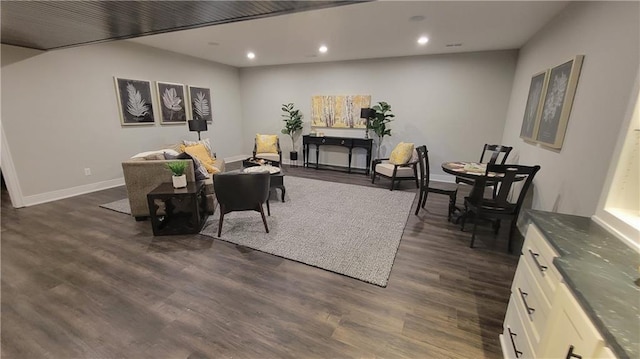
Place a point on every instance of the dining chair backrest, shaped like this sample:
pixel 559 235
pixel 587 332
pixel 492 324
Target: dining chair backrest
pixel 423 164
pixel 510 174
pixel 495 151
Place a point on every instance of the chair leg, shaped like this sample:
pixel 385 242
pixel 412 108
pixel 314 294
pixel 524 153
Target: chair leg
pixel 373 177
pixel 473 233
pixel 220 221
pixel 496 226
pixel 511 232
pixel 264 219
pixel 419 201
pixel 463 219
pixel 452 205
pixel 268 209
pixel 424 198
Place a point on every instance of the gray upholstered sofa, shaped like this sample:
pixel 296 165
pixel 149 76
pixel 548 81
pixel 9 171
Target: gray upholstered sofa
pixel 142 175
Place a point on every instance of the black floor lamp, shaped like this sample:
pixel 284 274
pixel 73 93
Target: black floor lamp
pixel 198 125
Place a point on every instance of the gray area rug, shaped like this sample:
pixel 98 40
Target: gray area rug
pixel 121 205
pixel 348 229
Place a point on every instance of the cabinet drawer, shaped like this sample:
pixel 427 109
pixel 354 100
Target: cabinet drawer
pixel 570 333
pixel 514 340
pixel 534 307
pixel 337 141
pixel 539 255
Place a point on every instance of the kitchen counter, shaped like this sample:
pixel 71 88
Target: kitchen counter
pixel 600 270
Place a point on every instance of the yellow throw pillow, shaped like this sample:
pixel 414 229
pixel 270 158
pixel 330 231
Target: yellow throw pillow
pixel 401 154
pixel 266 143
pixel 200 152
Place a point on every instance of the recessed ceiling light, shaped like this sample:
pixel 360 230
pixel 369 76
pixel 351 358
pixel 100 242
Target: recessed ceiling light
pixel 251 55
pixel 423 40
pixel 416 18
pixel 323 49
pixel 457 44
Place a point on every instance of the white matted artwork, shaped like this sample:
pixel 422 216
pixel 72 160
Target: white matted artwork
pixel 558 99
pixel 134 102
pixel 171 98
pixel 339 111
pixel 200 101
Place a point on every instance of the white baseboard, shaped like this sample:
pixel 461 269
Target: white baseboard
pixel 71 192
pixel 442 178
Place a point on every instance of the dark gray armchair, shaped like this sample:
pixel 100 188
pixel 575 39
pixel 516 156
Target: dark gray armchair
pixel 237 191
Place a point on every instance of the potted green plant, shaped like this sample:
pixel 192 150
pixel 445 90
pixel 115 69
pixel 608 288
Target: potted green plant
pixel 292 124
pixel 379 121
pixel 178 168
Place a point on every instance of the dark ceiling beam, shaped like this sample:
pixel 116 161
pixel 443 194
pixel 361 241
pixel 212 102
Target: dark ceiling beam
pixel 48 25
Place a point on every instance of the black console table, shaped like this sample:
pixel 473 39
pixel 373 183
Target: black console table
pixel 349 142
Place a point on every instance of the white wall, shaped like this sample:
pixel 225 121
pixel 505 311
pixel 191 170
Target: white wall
pixel 452 103
pixel 607 33
pixel 60 115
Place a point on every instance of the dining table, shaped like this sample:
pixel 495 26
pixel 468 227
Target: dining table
pixel 472 171
pixel 468 170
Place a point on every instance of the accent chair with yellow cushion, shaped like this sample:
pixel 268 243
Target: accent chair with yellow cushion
pixel 401 165
pixel 267 147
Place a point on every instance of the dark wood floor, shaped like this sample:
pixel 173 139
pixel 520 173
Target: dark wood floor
pixel 79 281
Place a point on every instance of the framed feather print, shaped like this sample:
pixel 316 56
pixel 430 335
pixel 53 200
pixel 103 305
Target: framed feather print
pixel 200 101
pixel 171 99
pixel 134 102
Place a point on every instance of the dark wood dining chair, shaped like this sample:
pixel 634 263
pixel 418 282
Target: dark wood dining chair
pixel 426 187
pixel 494 154
pixel 499 206
pixel 237 191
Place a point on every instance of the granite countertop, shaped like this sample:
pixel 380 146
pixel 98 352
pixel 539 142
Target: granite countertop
pixel 600 270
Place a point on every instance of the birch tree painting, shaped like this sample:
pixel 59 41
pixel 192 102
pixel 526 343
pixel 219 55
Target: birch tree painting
pixel 338 111
pixel 200 100
pixel 172 103
pixel 134 102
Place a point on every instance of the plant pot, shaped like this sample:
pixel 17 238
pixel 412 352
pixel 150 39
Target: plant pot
pixel 179 181
pixel 293 155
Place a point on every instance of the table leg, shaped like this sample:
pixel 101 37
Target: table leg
pixel 350 149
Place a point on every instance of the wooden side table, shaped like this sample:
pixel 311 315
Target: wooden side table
pixel 177 210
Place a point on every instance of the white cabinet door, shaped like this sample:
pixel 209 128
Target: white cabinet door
pixel 570 334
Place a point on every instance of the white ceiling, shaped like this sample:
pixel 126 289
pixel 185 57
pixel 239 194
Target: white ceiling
pixel 364 30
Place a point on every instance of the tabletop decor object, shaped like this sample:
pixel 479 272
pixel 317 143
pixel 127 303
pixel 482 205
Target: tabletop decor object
pixel 558 99
pixel 367 114
pixel 178 169
pixel 197 125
